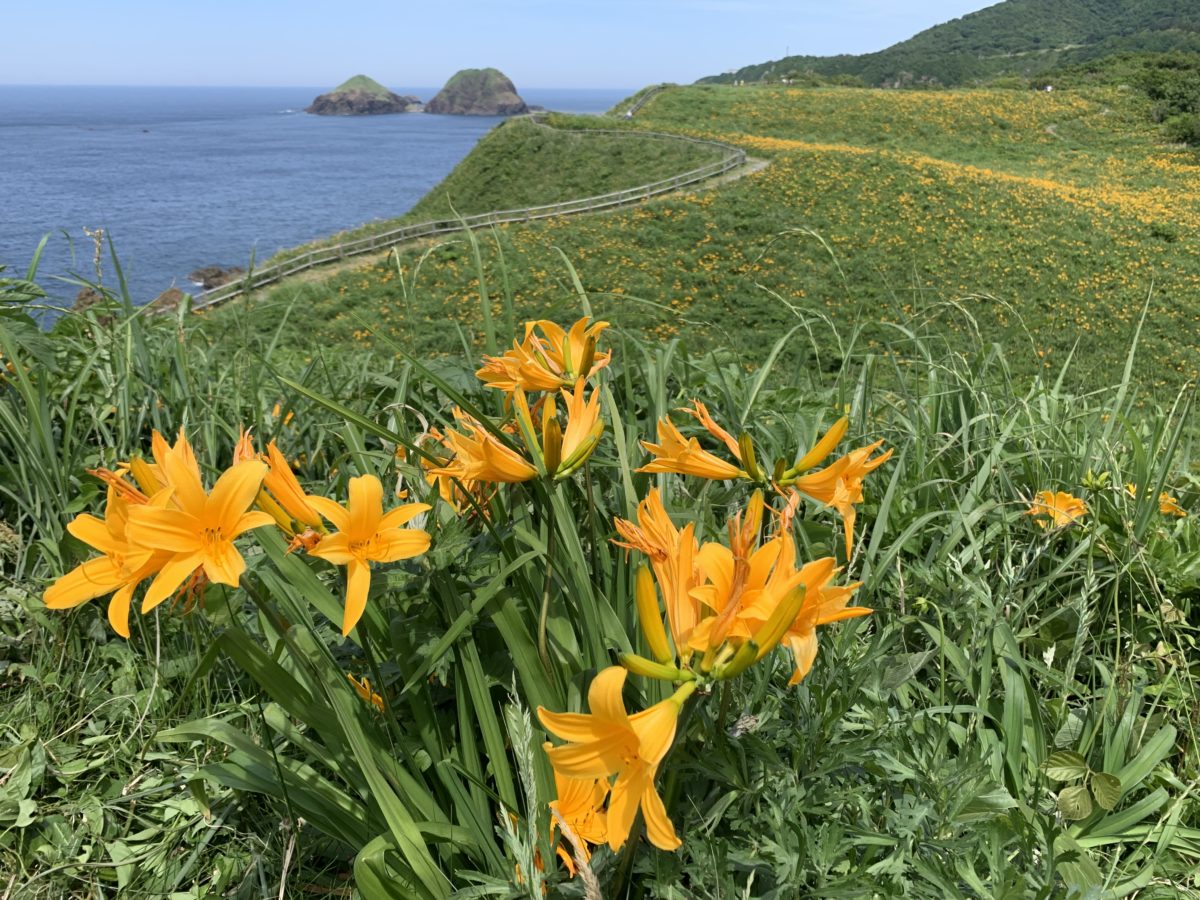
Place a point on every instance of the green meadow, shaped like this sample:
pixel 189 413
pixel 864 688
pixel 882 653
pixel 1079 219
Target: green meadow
pixel 1040 222
pixel 995 288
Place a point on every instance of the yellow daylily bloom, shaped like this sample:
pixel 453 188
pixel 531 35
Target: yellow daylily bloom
pixel 480 456
pixel 821 448
pixel 745 581
pixel 457 493
pixel 280 481
pixel 672 552
pixel 823 603
pixel 582 434
pixel 365 693
pixel 119 571
pixel 675 453
pixel 579 802
pixel 548 361
pixel 608 742
pixel 1055 509
pixel 365 534
pixel 840 484
pixel 1169 506
pixel 195 528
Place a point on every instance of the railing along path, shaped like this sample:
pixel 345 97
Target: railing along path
pixel 732 158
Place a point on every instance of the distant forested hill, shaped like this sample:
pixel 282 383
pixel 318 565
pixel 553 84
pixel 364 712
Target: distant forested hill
pixel 1019 37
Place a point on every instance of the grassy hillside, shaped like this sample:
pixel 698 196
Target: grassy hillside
pixel 362 709
pixel 1042 222
pixel 364 84
pixel 521 164
pixel 1022 37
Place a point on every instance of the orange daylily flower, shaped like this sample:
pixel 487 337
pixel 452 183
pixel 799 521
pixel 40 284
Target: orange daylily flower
pixel 195 528
pixel 457 493
pixel 1055 509
pixel 580 802
pixel 119 571
pixel 823 604
pixel 480 456
pixel 608 742
pixel 1169 506
pixel 548 361
pixel 840 484
pixel 365 534
pixel 745 581
pixel 280 481
pixel 365 693
pixel 685 456
pixel 672 553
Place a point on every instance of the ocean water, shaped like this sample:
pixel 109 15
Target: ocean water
pixel 181 178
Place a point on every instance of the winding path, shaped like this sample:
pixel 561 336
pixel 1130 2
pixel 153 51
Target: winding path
pixel 732 164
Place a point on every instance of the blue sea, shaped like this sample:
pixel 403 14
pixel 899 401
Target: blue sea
pixel 181 178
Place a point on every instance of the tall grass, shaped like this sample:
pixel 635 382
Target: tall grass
pixel 215 753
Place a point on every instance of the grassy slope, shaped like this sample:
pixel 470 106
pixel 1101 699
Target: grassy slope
pixel 362 83
pixel 519 164
pixel 1015 37
pixel 1039 221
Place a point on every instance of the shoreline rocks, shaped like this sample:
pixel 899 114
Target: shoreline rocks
pixel 209 277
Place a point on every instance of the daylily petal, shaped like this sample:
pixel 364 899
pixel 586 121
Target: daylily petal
pixel 164 529
pixel 604 697
pixel 394 518
pixel 578 728
pixel 623 802
pixel 331 510
pixel 334 548
pixel 399 543
pixel 250 520
pixel 184 477
pixel 169 578
pixel 358 583
pixel 95 533
pixel 366 506
pixel 655 729
pixel 596 759
pixel 118 610
pixel 85 582
pixel 233 494
pixel 659 828
pixel 223 563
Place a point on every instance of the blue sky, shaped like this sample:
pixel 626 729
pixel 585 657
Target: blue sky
pixel 537 43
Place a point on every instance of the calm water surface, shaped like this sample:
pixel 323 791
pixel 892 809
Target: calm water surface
pixel 188 177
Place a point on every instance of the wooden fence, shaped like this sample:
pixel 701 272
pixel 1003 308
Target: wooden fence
pixel 731 158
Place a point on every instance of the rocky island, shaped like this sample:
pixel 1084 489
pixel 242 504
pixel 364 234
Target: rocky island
pixel 362 96
pixel 478 92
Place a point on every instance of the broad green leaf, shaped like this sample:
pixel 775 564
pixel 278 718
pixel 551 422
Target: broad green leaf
pixel 1075 802
pixel 1065 765
pixel 1106 789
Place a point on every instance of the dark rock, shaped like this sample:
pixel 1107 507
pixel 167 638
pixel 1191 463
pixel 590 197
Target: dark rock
pixel 86 298
pixel 170 299
pixel 477 92
pixel 209 277
pixel 362 96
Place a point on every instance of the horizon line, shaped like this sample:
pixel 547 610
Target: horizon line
pixel 304 86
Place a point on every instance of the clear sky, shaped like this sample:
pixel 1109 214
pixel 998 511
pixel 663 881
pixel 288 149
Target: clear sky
pixel 537 43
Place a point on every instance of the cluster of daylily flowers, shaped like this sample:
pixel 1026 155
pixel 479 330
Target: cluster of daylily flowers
pixel 162 524
pixel 1057 509
pixel 726 604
